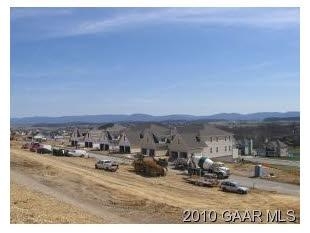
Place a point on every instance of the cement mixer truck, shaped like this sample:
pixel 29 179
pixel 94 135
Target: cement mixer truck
pixel 201 165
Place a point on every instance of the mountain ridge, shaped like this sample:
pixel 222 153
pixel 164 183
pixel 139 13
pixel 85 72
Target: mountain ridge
pixel 107 118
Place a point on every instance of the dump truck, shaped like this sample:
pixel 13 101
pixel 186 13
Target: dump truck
pixel 200 165
pixel 149 166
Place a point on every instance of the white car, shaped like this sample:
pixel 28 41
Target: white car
pixel 107 165
pixel 232 186
pixel 78 153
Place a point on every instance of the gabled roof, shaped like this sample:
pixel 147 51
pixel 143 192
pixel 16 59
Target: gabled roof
pixel 76 134
pixel 116 127
pixel 133 137
pixel 210 130
pixel 202 130
pixel 189 129
pixel 190 139
pixel 159 131
pixel 94 134
pixel 156 128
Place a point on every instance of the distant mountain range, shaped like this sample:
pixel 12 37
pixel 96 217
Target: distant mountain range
pixel 259 116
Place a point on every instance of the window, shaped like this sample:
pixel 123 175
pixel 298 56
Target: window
pixel 225 138
pixel 178 141
pixel 229 148
pixel 217 139
pixel 217 149
pixel 229 138
pixel 211 150
pixel 210 139
pixel 225 148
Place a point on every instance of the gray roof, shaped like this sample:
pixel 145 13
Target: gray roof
pixel 210 130
pixel 156 128
pixel 202 129
pixel 133 137
pixel 159 131
pixel 116 127
pixel 95 134
pixel 189 129
pixel 191 140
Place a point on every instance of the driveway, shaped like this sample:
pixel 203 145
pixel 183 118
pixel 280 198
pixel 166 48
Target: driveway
pixel 272 161
pixel 267 185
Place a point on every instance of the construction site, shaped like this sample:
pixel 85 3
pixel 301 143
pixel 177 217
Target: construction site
pixel 68 189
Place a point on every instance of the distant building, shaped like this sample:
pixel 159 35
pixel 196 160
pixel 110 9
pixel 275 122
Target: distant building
pixel 76 137
pixel 153 144
pixel 245 146
pixel 92 137
pixel 185 144
pixel 39 137
pixel 205 139
pixel 274 148
pixel 105 141
pixel 129 142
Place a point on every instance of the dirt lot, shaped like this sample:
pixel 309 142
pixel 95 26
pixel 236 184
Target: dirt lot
pixel 120 197
pixel 286 174
pixel 28 206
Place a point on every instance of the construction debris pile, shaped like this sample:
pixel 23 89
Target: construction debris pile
pixel 149 166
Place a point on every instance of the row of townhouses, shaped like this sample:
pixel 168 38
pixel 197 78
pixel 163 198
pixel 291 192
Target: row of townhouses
pixel 159 140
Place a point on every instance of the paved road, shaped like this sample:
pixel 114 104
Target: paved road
pixel 258 183
pixel 267 185
pixel 272 161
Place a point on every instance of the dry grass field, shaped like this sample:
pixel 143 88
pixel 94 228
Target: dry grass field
pixel 120 197
pixel 286 174
pixel 28 206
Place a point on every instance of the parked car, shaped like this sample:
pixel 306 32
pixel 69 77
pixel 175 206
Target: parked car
pixel 78 153
pixel 107 165
pixel 34 146
pixel 232 186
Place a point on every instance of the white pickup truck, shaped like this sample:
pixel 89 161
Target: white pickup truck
pixel 78 153
pixel 107 165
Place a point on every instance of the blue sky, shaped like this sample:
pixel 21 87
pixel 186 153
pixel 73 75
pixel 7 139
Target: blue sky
pixel 200 61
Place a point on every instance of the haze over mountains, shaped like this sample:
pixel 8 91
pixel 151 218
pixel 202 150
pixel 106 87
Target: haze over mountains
pixel 106 118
